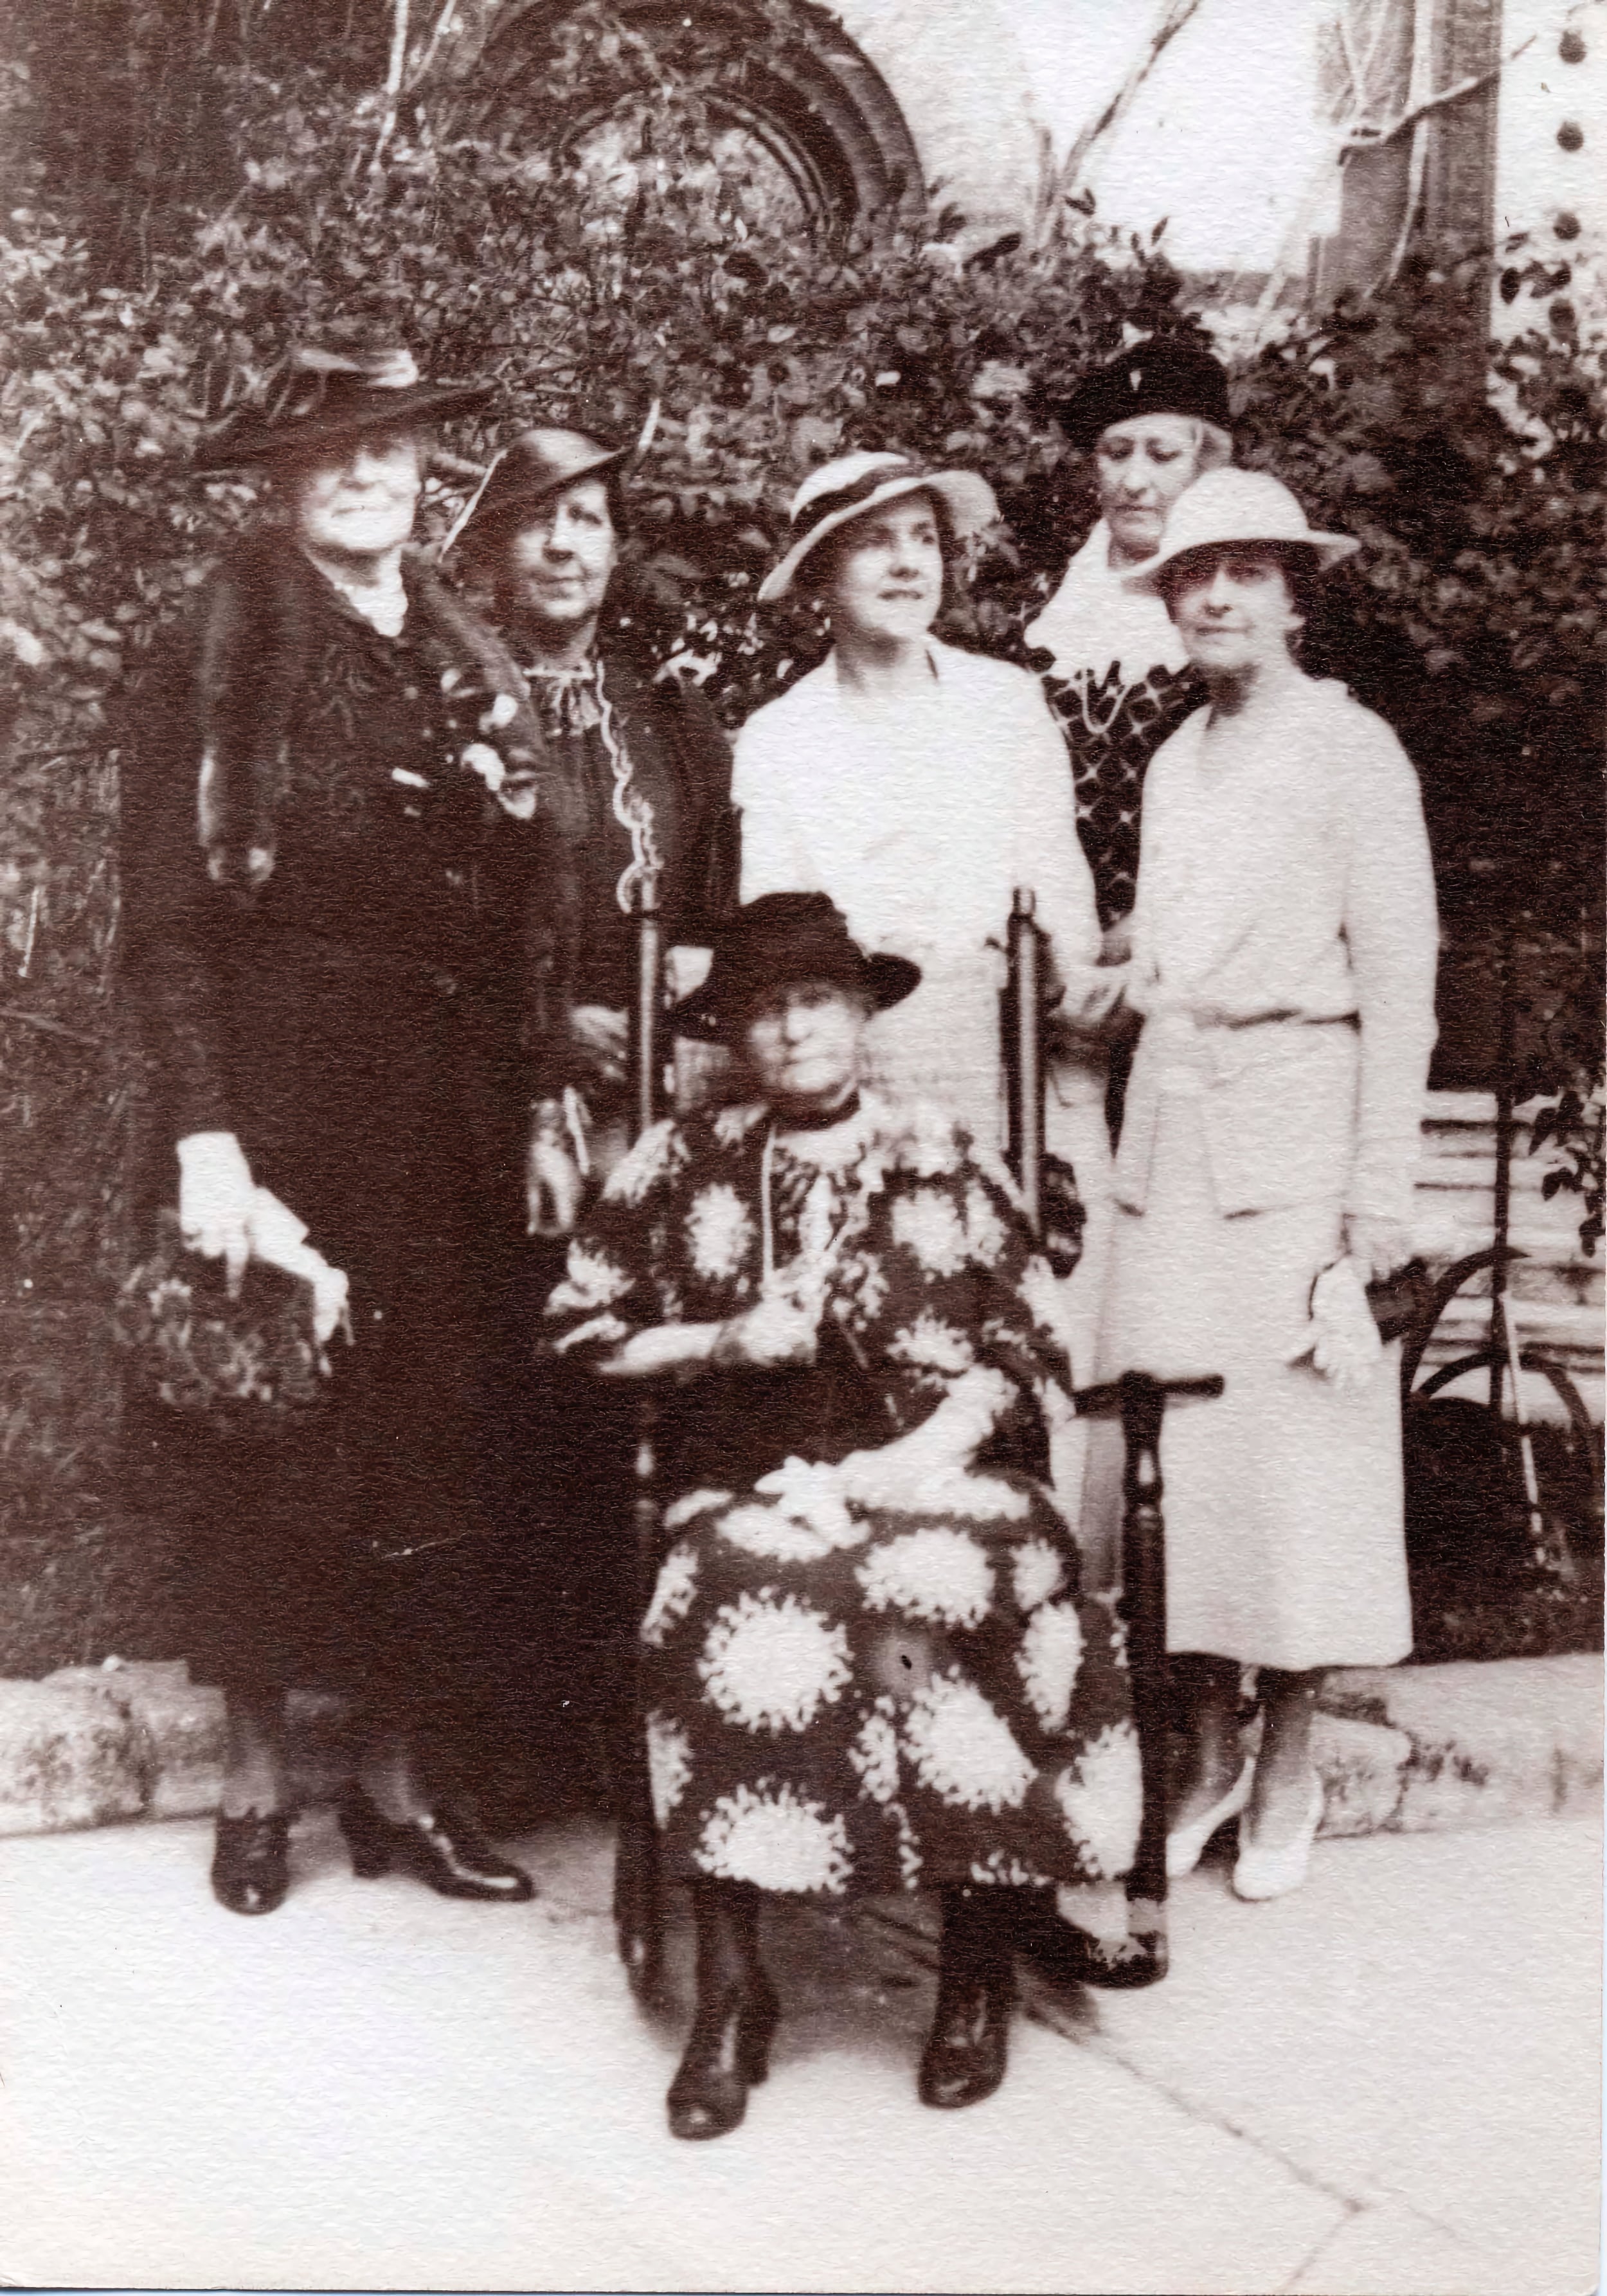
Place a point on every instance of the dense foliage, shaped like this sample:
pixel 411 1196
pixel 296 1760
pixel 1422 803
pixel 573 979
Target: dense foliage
pixel 591 279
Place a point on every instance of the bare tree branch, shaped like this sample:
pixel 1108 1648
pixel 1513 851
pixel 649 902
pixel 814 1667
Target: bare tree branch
pixel 1174 15
pixel 393 80
pixel 427 54
pixel 1370 139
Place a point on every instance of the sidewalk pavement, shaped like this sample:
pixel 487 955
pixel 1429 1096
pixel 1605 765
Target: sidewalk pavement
pixel 1386 2083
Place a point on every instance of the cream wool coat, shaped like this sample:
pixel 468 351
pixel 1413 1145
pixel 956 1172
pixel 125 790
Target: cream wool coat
pixel 919 823
pixel 1285 951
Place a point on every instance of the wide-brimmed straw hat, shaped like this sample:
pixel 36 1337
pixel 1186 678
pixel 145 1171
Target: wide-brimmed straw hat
pixel 1157 377
pixel 1238 506
pixel 319 397
pixel 779 939
pixel 853 483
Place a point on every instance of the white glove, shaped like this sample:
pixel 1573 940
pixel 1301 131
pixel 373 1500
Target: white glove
pixel 777 1331
pixel 1341 1338
pixel 215 1193
pixel 280 1239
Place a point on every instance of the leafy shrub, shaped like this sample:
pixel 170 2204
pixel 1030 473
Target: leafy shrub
pixel 589 288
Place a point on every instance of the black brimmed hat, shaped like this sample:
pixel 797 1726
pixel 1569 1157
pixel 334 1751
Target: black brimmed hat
pixel 320 397
pixel 1158 377
pixel 537 464
pixel 782 937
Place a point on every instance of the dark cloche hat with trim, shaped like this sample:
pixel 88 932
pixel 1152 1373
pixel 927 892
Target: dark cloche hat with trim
pixel 1162 376
pixel 316 397
pixel 537 464
pixel 782 937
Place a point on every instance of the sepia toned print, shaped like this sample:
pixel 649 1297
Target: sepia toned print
pixel 802 1093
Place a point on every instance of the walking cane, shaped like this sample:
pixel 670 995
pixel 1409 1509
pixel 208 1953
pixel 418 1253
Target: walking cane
pixel 1139 1401
pixel 1024 1053
pixel 639 1910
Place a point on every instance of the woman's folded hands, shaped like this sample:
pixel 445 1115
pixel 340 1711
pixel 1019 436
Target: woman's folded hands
pixel 780 1331
pixel 929 1469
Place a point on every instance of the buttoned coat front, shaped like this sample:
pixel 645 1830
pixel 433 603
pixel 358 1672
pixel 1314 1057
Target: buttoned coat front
pixel 1285 960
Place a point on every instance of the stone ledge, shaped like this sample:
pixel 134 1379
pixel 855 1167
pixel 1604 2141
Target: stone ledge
pixel 1423 1749
pixel 92 1744
pixel 1406 1750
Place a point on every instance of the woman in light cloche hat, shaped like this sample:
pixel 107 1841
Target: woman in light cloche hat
pixel 1283 958
pixel 919 784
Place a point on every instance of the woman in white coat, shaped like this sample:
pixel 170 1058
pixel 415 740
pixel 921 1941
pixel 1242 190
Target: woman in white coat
pixel 919 785
pixel 1283 961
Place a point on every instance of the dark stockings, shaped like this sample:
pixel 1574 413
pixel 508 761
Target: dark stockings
pixel 965 2053
pixel 728 2050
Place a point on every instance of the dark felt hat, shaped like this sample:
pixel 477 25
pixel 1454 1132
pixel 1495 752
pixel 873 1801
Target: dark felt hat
pixel 538 463
pixel 321 398
pixel 782 937
pixel 1158 377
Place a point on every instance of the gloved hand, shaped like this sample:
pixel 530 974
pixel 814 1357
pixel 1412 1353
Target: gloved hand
pixel 777 1330
pixel 555 1166
pixel 280 1239
pixel 553 1188
pixel 1377 1246
pixel 215 1201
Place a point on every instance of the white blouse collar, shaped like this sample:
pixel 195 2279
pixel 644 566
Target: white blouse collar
pixel 1094 622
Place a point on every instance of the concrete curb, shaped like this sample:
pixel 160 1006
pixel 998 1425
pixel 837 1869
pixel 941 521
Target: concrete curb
pixel 1408 1749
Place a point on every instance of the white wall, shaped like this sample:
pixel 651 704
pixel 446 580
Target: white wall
pixel 1538 182
pixel 1223 139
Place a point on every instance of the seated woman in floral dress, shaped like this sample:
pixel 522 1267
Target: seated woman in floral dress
pixel 869 1666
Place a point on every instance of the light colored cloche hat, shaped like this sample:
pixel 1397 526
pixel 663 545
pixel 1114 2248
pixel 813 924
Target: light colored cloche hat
pixel 1243 506
pixel 853 483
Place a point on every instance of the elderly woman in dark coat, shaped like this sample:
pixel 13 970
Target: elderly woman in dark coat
pixel 339 826
pixel 645 753
pixel 653 772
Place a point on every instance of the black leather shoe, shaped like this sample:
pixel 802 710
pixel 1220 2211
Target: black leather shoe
pixel 1067 1956
pixel 456 1860
pixel 966 2051
pixel 251 1863
pixel 727 2053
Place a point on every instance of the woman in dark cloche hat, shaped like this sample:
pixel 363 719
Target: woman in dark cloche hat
pixel 645 753
pixel 868 1664
pixel 651 770
pixel 336 810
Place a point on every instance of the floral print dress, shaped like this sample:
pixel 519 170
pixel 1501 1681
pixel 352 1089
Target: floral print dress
pixel 845 1699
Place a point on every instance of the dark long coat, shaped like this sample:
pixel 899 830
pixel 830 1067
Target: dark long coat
pixel 371 1016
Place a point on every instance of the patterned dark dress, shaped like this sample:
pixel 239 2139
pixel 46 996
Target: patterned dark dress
pixel 846 1699
pixel 1119 683
pixel 654 772
pixel 1114 723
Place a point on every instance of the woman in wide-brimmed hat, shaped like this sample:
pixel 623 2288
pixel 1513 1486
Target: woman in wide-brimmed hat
pixel 919 785
pixel 1283 958
pixel 869 1666
pixel 645 752
pixel 336 812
